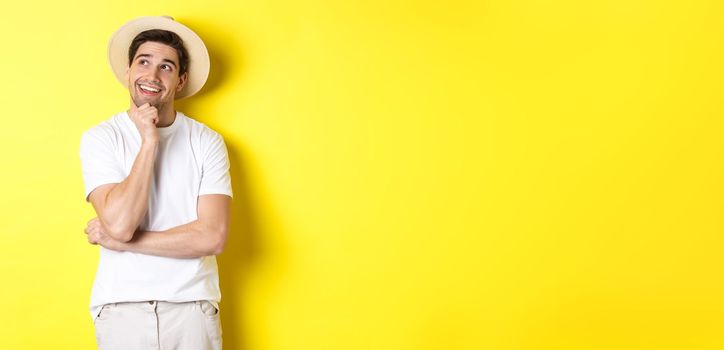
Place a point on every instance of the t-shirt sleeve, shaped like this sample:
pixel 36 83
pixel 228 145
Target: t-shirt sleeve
pixel 98 162
pixel 215 178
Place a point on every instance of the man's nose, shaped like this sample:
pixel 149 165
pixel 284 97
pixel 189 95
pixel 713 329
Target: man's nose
pixel 156 74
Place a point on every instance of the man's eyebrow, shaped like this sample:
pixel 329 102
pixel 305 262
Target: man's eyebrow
pixel 169 61
pixel 148 56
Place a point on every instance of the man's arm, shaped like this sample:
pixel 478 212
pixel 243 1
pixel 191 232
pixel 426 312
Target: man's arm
pixel 202 237
pixel 120 207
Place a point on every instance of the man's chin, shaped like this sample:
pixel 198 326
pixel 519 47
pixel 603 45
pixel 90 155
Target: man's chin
pixel 140 101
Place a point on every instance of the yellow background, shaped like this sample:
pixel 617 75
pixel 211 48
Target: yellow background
pixel 503 174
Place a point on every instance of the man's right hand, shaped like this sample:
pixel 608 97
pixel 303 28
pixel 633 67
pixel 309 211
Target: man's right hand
pixel 145 117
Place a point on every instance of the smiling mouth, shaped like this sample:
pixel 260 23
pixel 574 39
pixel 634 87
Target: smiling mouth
pixel 148 90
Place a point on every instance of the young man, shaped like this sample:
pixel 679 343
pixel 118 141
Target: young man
pixel 159 183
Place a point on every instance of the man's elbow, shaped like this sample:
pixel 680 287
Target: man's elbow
pixel 217 241
pixel 119 233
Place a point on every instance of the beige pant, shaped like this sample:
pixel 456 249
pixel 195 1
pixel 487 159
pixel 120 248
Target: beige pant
pixel 158 325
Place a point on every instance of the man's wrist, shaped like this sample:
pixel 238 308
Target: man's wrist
pixel 149 143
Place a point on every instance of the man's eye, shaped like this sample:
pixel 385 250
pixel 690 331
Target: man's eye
pixel 166 67
pixel 143 62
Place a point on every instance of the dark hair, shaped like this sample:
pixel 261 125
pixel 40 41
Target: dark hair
pixel 163 37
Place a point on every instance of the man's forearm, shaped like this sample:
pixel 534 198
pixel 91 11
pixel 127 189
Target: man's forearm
pixel 202 237
pixel 126 203
pixel 190 240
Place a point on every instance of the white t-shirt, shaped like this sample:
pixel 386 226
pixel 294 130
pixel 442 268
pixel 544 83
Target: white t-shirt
pixel 191 161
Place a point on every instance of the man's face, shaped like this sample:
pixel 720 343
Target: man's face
pixel 153 75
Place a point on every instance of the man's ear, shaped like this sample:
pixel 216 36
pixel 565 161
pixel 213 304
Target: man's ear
pixel 182 81
pixel 126 76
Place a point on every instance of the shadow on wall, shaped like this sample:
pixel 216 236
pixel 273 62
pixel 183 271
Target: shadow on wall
pixel 242 248
pixel 237 260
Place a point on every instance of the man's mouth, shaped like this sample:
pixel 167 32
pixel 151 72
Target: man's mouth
pixel 148 90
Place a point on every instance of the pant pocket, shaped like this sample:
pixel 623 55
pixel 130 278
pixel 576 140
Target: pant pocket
pixel 208 308
pixel 213 323
pixel 103 328
pixel 104 314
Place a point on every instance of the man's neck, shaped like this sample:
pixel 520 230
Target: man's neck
pixel 166 117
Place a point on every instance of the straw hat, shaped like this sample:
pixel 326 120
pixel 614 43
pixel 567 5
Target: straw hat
pixel 198 69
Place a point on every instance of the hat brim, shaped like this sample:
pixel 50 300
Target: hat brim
pixel 198 69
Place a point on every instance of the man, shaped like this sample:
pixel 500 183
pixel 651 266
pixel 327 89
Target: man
pixel 159 183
